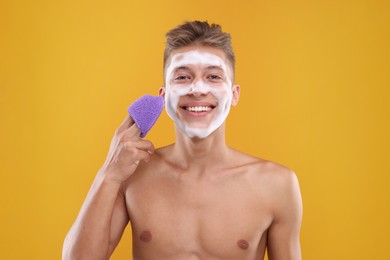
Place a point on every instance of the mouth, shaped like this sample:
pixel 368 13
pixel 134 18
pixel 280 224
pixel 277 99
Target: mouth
pixel 198 109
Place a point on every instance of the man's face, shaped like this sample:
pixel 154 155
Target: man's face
pixel 198 90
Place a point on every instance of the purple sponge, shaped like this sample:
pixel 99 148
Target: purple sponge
pixel 145 112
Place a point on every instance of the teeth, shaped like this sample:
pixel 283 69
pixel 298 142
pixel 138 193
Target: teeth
pixel 198 109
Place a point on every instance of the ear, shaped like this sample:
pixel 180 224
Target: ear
pixel 236 94
pixel 161 91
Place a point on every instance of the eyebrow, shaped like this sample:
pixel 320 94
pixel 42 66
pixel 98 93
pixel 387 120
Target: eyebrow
pixel 181 68
pixel 211 67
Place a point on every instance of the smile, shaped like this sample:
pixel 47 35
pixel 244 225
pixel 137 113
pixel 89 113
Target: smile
pixel 198 109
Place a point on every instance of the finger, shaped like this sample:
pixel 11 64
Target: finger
pixel 126 124
pixel 145 145
pixel 135 154
pixel 131 134
pixel 144 156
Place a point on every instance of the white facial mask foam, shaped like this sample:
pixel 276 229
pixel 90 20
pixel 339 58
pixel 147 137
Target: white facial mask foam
pixel 221 93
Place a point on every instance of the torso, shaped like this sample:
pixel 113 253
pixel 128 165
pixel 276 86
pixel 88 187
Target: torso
pixel 222 214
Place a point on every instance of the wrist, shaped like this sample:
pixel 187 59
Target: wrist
pixel 109 178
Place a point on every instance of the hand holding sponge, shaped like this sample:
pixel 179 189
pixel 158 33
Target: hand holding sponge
pixel 145 111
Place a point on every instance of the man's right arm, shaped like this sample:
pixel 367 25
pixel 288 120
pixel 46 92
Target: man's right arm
pixel 103 216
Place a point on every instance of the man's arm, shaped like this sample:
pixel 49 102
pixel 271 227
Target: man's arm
pixel 99 225
pixel 283 235
pixel 103 216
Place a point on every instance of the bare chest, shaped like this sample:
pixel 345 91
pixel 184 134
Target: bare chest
pixel 206 220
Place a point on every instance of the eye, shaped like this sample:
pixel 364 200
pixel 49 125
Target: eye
pixel 182 77
pixel 215 78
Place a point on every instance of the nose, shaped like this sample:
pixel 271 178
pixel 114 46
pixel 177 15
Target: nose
pixel 198 88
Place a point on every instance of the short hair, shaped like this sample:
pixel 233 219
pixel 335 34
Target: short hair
pixel 201 34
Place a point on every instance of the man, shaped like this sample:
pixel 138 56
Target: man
pixel 197 198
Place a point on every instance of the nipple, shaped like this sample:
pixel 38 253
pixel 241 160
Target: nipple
pixel 243 244
pixel 146 236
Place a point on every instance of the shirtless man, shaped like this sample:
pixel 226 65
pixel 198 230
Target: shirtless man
pixel 197 198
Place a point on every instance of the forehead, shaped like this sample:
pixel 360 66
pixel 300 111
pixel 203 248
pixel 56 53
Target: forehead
pixel 197 56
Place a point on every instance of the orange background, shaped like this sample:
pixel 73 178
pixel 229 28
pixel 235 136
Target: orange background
pixel 314 77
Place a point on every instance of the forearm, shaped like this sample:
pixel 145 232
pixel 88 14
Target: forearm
pixel 89 236
pixel 95 229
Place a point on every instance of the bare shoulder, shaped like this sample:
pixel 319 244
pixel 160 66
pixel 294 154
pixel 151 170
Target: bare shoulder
pixel 266 167
pixel 268 174
pixel 279 186
pixel 278 173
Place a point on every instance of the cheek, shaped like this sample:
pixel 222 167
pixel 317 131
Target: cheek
pixel 172 96
pixel 223 95
pixel 177 91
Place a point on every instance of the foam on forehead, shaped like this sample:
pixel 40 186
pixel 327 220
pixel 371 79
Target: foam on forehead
pixel 195 57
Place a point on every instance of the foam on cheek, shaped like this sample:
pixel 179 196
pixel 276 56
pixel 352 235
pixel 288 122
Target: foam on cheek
pixel 172 97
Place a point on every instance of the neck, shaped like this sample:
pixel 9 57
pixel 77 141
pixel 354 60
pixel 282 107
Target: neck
pixel 200 153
